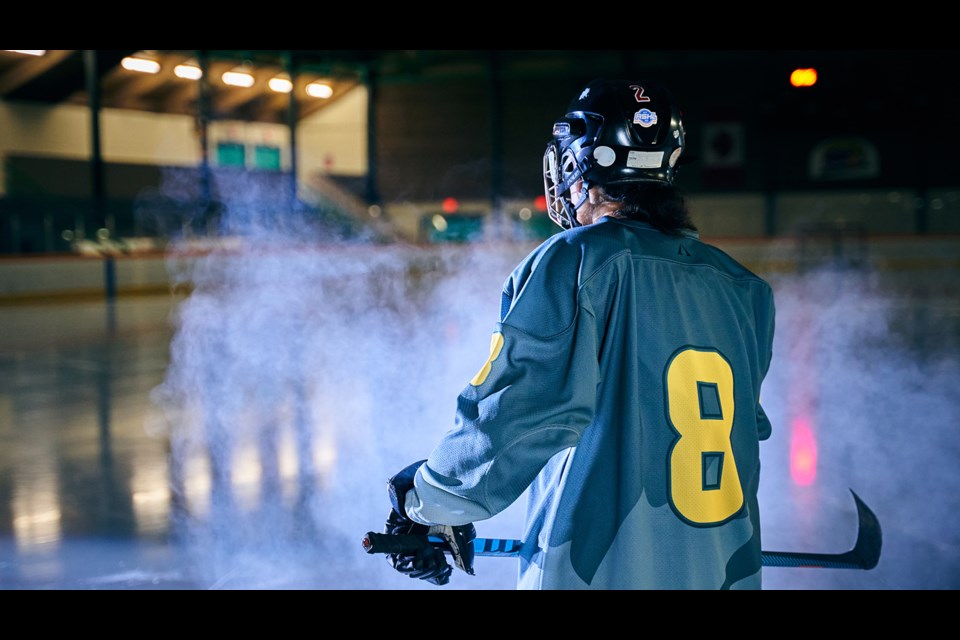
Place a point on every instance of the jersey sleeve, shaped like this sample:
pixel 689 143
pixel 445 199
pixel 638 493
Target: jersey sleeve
pixel 532 398
pixel 766 320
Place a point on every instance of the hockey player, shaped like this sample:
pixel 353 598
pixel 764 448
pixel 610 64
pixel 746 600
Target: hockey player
pixel 623 382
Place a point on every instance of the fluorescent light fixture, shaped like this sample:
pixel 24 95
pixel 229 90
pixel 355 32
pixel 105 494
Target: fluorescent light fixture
pixel 29 52
pixel 280 84
pixel 140 64
pixel 188 71
pixel 319 90
pixel 238 79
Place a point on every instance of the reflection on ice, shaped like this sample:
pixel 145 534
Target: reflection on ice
pixel 36 503
pixel 301 378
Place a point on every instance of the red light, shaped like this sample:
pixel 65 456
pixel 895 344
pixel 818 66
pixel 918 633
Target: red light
pixel 803 77
pixel 450 205
pixel 803 453
pixel 540 203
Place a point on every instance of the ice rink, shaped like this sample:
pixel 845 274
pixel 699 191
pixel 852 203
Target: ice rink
pixel 238 434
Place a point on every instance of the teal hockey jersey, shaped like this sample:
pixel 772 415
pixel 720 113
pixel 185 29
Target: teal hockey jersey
pixel 623 389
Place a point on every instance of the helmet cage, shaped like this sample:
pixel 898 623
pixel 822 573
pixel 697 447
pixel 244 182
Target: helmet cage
pixel 565 161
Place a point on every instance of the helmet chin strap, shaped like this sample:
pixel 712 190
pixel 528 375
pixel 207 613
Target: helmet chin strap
pixel 569 207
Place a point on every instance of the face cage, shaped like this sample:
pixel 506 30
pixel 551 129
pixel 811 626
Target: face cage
pixel 556 164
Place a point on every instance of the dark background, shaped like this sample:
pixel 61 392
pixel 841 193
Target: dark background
pixel 472 124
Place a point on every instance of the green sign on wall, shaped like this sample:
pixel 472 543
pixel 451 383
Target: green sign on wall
pixel 231 154
pixel 266 158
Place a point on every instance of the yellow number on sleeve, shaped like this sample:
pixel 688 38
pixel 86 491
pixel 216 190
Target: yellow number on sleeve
pixel 496 345
pixel 704 484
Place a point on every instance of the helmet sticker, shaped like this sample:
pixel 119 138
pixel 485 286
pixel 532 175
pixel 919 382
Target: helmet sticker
pixel 585 93
pixel 605 156
pixel 645 118
pixel 639 93
pixel 675 156
pixel 645 159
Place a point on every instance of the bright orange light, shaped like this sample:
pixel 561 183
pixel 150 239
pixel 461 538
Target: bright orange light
pixel 803 453
pixel 803 77
pixel 450 205
pixel 540 203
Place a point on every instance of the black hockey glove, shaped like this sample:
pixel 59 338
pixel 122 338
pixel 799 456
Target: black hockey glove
pixel 428 563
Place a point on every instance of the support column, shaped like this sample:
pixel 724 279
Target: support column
pixel 292 120
pixel 496 145
pixel 203 122
pixel 97 186
pixel 372 80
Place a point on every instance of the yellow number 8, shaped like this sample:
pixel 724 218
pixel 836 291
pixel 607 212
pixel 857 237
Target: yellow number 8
pixel 704 484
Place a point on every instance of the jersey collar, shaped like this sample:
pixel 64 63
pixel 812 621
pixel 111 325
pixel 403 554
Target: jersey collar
pixel 630 222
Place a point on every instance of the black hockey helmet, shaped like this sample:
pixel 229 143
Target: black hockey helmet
pixel 614 132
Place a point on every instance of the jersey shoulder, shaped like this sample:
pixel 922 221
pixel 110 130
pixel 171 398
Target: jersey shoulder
pixel 645 242
pixel 557 258
pixel 575 255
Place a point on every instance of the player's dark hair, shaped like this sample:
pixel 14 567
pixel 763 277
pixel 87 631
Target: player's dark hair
pixel 660 205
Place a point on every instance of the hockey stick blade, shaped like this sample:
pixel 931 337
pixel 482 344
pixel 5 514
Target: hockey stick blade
pixel 864 555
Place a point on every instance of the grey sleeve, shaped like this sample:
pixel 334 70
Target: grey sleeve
pixel 764 427
pixel 533 398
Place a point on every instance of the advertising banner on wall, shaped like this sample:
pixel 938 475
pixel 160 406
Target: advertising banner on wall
pixel 844 159
pixel 723 154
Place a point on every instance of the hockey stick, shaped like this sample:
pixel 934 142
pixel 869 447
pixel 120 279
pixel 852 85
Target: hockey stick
pixel 864 555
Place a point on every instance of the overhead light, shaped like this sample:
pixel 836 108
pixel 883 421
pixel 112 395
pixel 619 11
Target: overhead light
pixel 142 65
pixel 238 78
pixel 319 90
pixel 188 71
pixel 29 52
pixel 281 84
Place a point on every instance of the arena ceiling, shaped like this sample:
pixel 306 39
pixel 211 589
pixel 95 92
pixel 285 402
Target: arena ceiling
pixel 59 76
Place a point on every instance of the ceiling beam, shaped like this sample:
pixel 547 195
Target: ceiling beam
pixel 31 68
pixel 132 87
pixel 181 98
pixel 228 99
pixel 308 106
pixel 274 107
